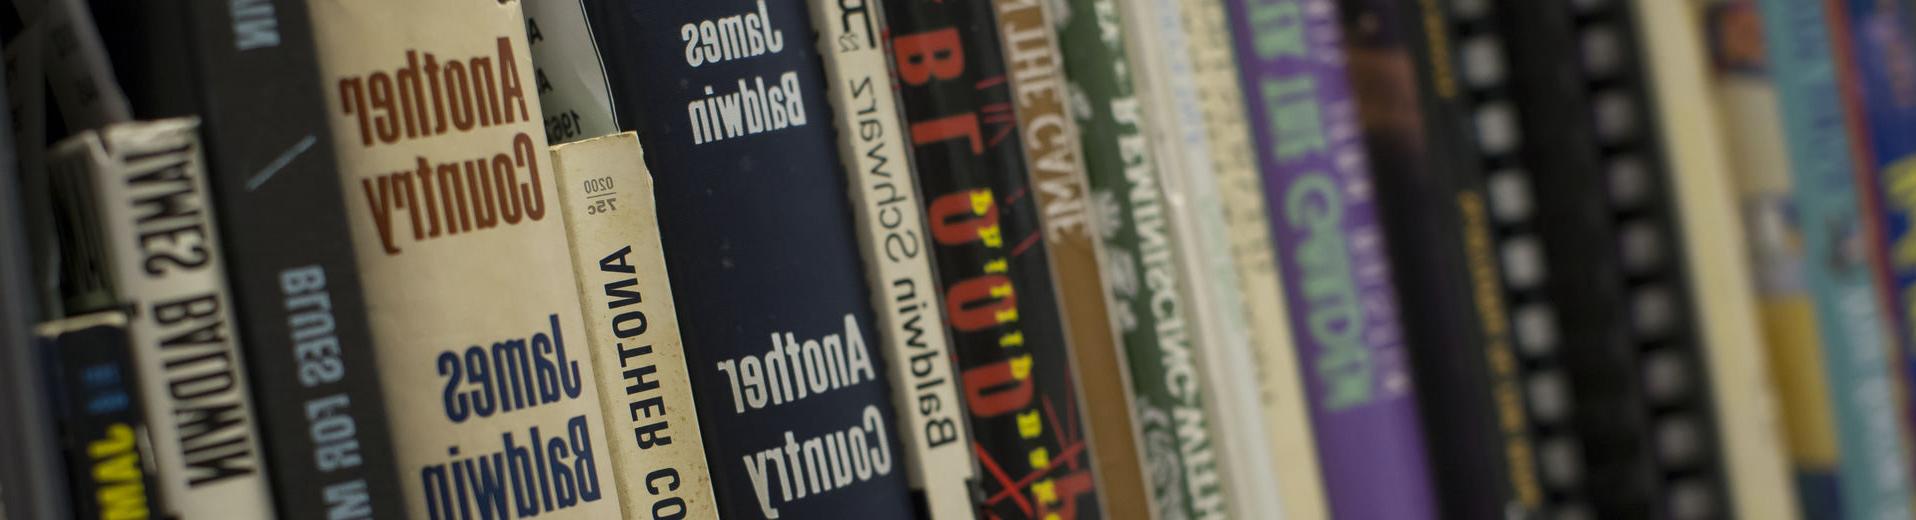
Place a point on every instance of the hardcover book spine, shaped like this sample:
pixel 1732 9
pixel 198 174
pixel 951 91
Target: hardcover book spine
pixel 758 236
pixel 632 329
pixel 147 180
pixel 885 204
pixel 1330 246
pixel 475 323
pixel 1145 304
pixel 1586 230
pixel 1668 330
pixel 1746 98
pixel 1718 253
pixel 1279 451
pixel 1878 48
pixel 96 389
pixel 1001 302
pixel 577 100
pixel 1872 470
pixel 296 290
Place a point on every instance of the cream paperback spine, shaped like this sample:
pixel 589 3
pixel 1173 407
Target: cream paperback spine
pixel 632 329
pixel 891 233
pixel 467 274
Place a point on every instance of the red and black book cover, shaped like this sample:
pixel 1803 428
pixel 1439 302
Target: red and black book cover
pixel 999 299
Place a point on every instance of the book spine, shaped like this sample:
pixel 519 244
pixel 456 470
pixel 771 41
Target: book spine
pixel 296 290
pixel 1329 242
pixel 1872 474
pixel 1144 303
pixel 885 204
pixel 1717 253
pixel 1048 124
pixel 147 180
pixel 632 328
pixel 759 238
pixel 1164 52
pixel 577 103
pixel 103 424
pixel 1000 299
pixel 449 191
pixel 34 473
pixel 1278 451
pixel 1878 48
pixel 1746 100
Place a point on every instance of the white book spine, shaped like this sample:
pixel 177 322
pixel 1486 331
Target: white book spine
pixel 148 184
pixel 897 257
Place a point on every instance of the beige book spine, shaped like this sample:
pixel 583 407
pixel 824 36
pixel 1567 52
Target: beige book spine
pixel 893 243
pixel 463 256
pixel 1752 450
pixel 1287 426
pixel 632 328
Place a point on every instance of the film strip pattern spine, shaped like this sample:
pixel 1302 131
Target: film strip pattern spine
pixel 1585 229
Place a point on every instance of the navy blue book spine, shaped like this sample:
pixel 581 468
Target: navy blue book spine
pixel 728 99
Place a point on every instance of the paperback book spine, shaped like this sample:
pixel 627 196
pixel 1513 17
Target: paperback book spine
pixel 1144 302
pixel 1872 472
pixel 1286 447
pixel 890 218
pixel 103 425
pixel 1330 246
pixel 1746 98
pixel 1001 302
pixel 577 100
pixel 1877 43
pixel 754 217
pixel 1058 172
pixel 632 329
pixel 1718 254
pixel 448 186
pixel 145 180
pixel 1188 171
pixel 296 290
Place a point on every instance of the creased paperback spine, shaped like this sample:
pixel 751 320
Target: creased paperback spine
pixel 475 318
pixel 147 184
pixel 885 204
pixel 632 329
pixel 103 423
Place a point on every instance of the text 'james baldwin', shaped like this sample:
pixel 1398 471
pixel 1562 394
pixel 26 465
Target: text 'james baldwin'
pixel 754 107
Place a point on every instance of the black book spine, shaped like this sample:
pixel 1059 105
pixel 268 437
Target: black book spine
pixel 290 258
pixel 32 482
pixel 728 100
pixel 1000 301
pixel 102 423
pixel 1432 194
pixel 1586 225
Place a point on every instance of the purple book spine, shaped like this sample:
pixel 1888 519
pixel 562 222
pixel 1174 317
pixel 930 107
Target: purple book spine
pixel 1331 250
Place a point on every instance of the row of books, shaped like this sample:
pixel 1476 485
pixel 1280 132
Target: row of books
pixel 958 259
